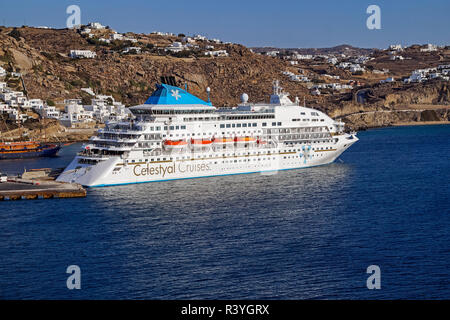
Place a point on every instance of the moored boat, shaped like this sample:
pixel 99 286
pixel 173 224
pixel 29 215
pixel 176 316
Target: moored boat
pixel 27 149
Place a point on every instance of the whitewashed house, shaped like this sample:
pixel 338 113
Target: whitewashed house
pixel 356 68
pixel 273 53
pixel 217 53
pixel 131 49
pixel 96 25
pixel 332 60
pixel 200 37
pixel 176 47
pixel 395 47
pixel 86 31
pixel 82 54
pixel 429 48
pixel 48 112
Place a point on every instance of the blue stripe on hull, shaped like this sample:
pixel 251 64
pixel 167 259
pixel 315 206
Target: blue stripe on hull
pixel 217 175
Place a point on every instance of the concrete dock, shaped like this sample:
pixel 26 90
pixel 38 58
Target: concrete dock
pixel 16 189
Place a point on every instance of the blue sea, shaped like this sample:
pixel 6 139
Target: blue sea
pixel 298 234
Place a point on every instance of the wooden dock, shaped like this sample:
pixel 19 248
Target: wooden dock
pixel 17 189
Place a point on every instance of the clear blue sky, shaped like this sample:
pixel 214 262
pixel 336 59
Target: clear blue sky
pixel 279 23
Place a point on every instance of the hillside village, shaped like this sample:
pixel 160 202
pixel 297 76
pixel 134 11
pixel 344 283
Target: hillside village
pixel 88 76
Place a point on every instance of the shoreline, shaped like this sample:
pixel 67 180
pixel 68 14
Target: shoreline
pixel 419 123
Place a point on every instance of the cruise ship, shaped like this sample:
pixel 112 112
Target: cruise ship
pixel 175 135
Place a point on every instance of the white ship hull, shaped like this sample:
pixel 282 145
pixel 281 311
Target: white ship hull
pixel 175 135
pixel 113 172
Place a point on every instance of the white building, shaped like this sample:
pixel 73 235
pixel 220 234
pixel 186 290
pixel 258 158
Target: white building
pixel 333 60
pixel 200 37
pixel 176 47
pixel 48 112
pixel 356 68
pixel 344 65
pixel 315 92
pixel 395 47
pixel 394 58
pixel 86 31
pixel 75 114
pixel 116 36
pixel 131 49
pixel 96 25
pixel 72 101
pixel 273 53
pixel 304 56
pixel 217 53
pixel 188 39
pixel 429 47
pixel 165 34
pixel 82 54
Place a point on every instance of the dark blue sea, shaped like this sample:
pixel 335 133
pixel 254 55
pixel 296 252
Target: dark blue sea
pixel 299 234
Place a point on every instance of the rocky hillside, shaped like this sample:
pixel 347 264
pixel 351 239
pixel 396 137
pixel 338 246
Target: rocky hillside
pixel 41 56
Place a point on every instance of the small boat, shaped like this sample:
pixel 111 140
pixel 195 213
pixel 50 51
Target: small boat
pixel 245 140
pixel 222 141
pixel 27 149
pixel 200 142
pixel 175 144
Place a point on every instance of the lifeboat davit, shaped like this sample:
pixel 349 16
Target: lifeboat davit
pixel 261 142
pixel 198 143
pixel 175 144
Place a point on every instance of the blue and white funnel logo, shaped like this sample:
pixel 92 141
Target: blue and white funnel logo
pixel 175 94
pixel 305 154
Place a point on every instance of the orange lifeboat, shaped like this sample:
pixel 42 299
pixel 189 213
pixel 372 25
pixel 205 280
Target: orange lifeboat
pixel 222 141
pixel 200 142
pixel 175 144
pixel 245 140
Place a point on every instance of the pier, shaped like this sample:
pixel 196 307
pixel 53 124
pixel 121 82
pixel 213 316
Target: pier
pixel 17 189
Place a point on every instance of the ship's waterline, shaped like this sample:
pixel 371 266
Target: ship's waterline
pixel 175 135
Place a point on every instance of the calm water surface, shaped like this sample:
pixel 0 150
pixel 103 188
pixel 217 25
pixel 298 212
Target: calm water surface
pixel 300 234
